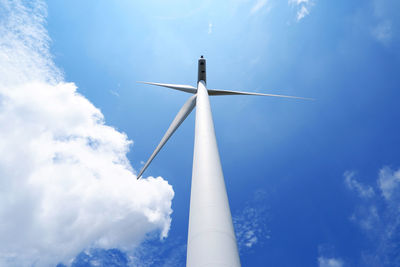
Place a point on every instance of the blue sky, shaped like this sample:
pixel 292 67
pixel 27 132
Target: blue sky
pixel 309 183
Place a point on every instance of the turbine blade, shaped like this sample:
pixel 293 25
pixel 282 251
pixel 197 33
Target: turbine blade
pixel 226 92
pixel 179 87
pixel 179 118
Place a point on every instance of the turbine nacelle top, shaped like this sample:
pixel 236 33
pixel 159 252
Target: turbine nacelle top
pixel 202 70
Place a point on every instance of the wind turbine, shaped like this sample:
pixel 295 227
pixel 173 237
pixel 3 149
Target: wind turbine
pixel 211 237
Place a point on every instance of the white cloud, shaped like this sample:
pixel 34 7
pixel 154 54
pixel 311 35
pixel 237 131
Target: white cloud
pixel 258 5
pixel 302 13
pixel 298 2
pixel 383 32
pixel 367 217
pixel 389 182
pixel 114 93
pixel 326 256
pixel 329 262
pixel 383 22
pixel 251 223
pixel 172 252
pixel 303 7
pixel 210 27
pixel 362 190
pixel 379 218
pixel 65 181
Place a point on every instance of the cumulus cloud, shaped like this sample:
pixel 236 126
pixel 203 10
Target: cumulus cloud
pixel 65 181
pixel 302 6
pixel 379 218
pixel 251 228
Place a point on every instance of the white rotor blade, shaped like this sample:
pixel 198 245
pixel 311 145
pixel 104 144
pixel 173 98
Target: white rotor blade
pixel 226 92
pixel 180 87
pixel 179 118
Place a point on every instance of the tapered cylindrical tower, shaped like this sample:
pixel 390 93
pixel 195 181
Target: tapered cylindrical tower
pixel 211 238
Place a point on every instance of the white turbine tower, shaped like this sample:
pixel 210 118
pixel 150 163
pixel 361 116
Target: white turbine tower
pixel 211 238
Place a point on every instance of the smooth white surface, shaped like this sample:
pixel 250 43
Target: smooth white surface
pixel 179 87
pixel 179 118
pixel 213 92
pixel 211 238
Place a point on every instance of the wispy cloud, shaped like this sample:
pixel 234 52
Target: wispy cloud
pixel 152 252
pixel 364 191
pixel 164 253
pixel 382 32
pixel 251 223
pixel 302 13
pixel 66 183
pixel 210 27
pixel 100 257
pixel 302 6
pixel 327 256
pixel 379 217
pixel 114 93
pixel 383 22
pixel 258 5
pixel 329 262
pixel 389 183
